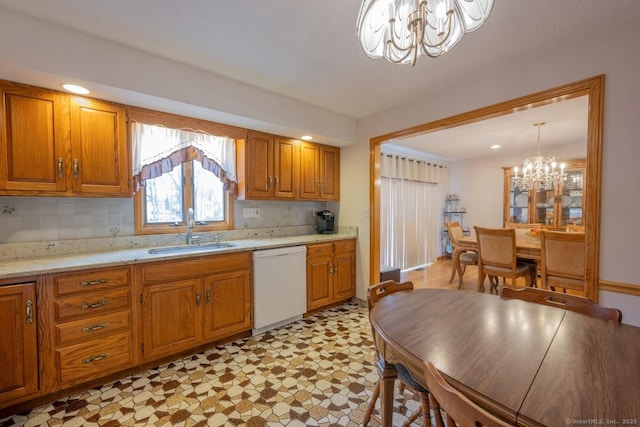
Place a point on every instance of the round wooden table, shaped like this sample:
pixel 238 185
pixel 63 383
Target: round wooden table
pixel 506 354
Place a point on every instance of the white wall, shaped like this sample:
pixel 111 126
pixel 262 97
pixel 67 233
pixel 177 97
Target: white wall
pixel 614 54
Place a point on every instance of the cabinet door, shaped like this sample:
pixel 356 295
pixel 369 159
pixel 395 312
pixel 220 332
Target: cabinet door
pixel 516 202
pixel 319 280
pixel 227 299
pixel 18 342
pixel 309 171
pixel 99 149
pixel 286 167
pixel 329 173
pixel 570 209
pixel 344 276
pixel 259 168
pixel 34 139
pixel 171 317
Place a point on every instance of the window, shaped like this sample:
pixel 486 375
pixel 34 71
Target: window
pixel 177 169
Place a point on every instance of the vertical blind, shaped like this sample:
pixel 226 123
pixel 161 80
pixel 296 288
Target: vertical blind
pixel 408 213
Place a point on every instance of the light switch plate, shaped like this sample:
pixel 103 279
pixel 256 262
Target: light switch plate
pixel 251 212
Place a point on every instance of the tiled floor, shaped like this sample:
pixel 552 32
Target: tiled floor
pixel 314 372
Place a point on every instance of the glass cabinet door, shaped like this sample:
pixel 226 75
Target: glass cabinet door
pixel 518 204
pixel 544 211
pixel 570 203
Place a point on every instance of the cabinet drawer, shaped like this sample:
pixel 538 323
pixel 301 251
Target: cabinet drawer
pixel 85 361
pixel 92 304
pixel 344 246
pixel 322 249
pixel 91 281
pixel 88 329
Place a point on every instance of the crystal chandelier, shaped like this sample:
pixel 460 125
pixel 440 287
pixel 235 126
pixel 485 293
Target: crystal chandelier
pixel 403 30
pixel 538 173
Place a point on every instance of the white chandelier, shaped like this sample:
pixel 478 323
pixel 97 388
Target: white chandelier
pixel 538 173
pixel 403 30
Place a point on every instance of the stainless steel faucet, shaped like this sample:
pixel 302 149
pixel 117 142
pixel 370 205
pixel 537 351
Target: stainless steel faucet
pixel 190 224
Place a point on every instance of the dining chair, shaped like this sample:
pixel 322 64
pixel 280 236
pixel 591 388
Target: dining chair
pixel 466 257
pixel 572 228
pixel 562 263
pixel 534 225
pixel 459 409
pixel 497 257
pixel 564 301
pixel 374 294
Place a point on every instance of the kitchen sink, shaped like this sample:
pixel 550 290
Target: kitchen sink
pixel 190 248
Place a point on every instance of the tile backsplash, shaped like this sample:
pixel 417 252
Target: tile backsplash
pixel 39 219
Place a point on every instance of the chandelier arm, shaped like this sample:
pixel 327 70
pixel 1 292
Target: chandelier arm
pixel 425 43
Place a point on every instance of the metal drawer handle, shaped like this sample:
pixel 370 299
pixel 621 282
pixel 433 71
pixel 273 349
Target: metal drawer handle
pixel 60 168
pixel 197 299
pixel 96 327
pixel 94 282
pixel 208 296
pixel 322 249
pixel 29 307
pixel 76 168
pixel 95 305
pixel 96 358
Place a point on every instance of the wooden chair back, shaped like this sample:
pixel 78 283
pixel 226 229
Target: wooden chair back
pixel 564 301
pixel 496 247
pixel 562 261
pixel 522 225
pixel 571 228
pixel 382 289
pixel 460 410
pixel 455 232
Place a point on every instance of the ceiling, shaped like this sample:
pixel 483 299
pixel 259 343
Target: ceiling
pixel 308 50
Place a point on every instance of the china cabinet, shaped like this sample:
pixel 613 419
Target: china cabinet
pixel 554 208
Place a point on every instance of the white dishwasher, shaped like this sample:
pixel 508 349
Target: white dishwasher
pixel 279 287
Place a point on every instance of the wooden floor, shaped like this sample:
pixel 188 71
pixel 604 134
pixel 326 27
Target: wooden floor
pixel 437 276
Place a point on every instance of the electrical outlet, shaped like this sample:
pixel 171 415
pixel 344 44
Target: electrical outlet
pixel 251 212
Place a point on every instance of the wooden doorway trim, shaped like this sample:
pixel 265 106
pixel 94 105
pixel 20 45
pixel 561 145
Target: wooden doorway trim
pixel 592 87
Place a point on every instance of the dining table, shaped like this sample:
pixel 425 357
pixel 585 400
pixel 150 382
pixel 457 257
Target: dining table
pixel 527 247
pixel 530 364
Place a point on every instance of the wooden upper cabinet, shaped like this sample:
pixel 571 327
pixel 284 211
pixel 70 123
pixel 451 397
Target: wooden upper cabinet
pixel 319 172
pixel 309 171
pixel 34 140
pixel 53 144
pixel 286 167
pixel 329 173
pixel 259 166
pixel 99 148
pixel 270 167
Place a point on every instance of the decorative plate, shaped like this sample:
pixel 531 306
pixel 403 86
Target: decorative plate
pixel 522 200
pixel 566 201
pixel 577 202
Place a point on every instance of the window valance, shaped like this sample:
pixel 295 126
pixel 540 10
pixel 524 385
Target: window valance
pixel 157 150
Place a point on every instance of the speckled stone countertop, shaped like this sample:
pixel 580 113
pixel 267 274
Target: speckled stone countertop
pixel 109 255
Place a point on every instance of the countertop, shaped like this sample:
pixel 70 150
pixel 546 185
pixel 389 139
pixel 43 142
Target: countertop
pixel 62 263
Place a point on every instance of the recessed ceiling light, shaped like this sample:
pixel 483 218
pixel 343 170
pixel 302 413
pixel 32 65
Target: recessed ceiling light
pixel 306 137
pixel 495 146
pixel 75 89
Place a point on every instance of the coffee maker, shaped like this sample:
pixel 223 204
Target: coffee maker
pixel 324 222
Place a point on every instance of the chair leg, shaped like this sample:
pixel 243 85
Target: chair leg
pixel 481 276
pixel 372 404
pixel 453 272
pixel 437 415
pixel 425 410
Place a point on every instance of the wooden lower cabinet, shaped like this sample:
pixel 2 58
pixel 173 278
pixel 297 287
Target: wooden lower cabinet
pixel 18 342
pixel 190 302
pixel 90 316
pixel 331 273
